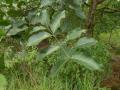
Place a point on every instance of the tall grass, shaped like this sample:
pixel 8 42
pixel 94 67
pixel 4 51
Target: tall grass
pixel 31 73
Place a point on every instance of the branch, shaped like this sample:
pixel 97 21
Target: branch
pixel 111 10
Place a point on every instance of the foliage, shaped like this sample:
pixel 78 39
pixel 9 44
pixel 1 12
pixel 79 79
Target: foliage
pixel 109 16
pixel 4 82
pixel 111 38
pixel 51 23
pixel 69 74
pixel 49 38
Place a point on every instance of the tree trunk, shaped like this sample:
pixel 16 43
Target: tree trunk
pixel 91 14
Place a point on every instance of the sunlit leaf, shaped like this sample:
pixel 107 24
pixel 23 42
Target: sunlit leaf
pixel 37 38
pixel 47 52
pixel 37 28
pixel 55 24
pixel 86 61
pixel 52 49
pixel 15 30
pixel 85 42
pixel 45 18
pixel 35 20
pixel 46 2
pixel 75 34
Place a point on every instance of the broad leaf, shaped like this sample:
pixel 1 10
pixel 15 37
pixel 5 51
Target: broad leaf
pixel 37 38
pixel 80 13
pixel 55 23
pixel 15 30
pixel 35 20
pixel 45 18
pixel 47 52
pixel 42 18
pixel 86 42
pixel 86 61
pixel 52 49
pixel 46 2
pixel 37 28
pixel 75 34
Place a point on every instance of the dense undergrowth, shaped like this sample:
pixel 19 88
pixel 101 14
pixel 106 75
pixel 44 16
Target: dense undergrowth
pixel 27 72
pixel 58 44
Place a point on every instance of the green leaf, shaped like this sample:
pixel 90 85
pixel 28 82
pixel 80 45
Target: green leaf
pixel 47 52
pixel 2 64
pixel 45 18
pixel 77 2
pixel 55 23
pixel 3 82
pixel 46 2
pixel 57 67
pixel 2 32
pixel 86 42
pixel 15 13
pixel 4 22
pixel 86 61
pixel 75 34
pixel 80 13
pixel 37 38
pixel 15 30
pixel 34 17
pixel 37 28
pixel 52 49
pixel 35 20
